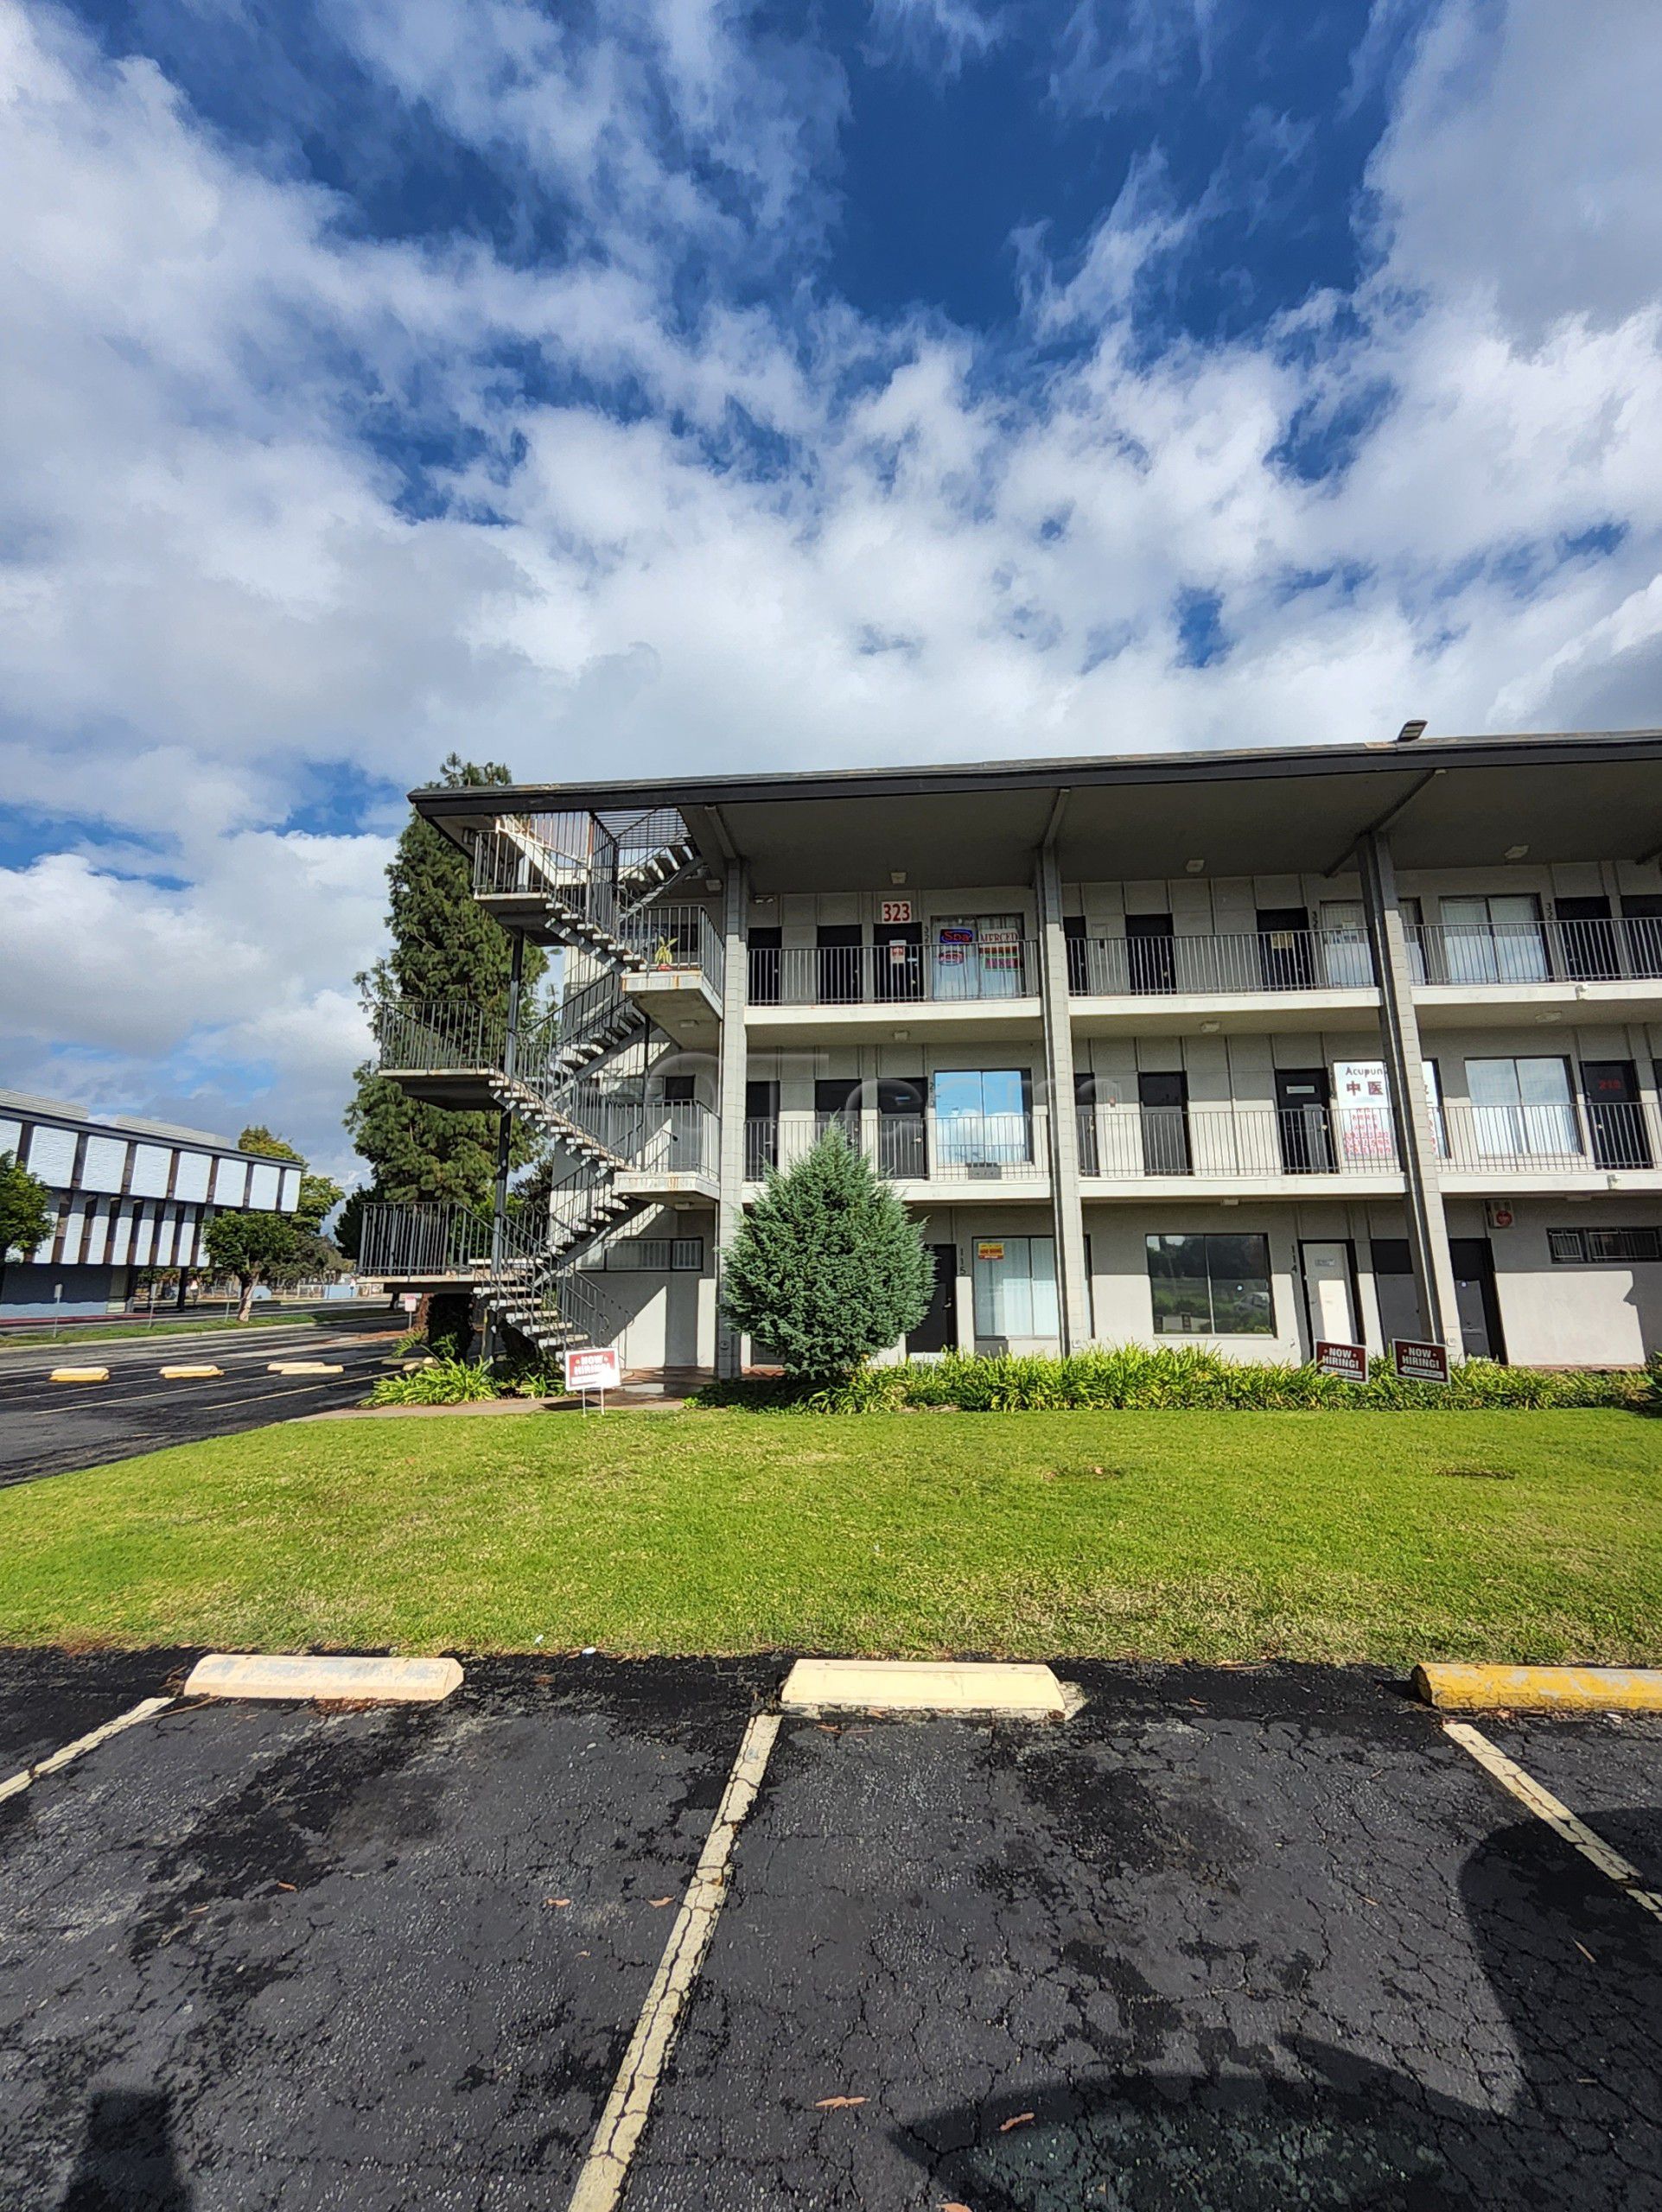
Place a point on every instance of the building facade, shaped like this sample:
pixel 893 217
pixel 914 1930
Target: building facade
pixel 129 1195
pixel 1242 1050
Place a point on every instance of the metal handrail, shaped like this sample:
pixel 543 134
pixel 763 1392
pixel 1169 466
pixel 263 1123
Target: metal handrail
pixel 910 1147
pixel 1235 1142
pixel 1545 951
pixel 892 974
pixel 435 1240
pixel 432 1036
pixel 676 938
pixel 1251 962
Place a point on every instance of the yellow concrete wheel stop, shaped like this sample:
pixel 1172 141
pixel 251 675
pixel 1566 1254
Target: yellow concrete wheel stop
pixel 1539 1690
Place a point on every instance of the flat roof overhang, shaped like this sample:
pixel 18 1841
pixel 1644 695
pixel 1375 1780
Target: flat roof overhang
pixel 1446 803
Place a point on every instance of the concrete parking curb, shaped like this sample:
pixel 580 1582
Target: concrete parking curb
pixel 187 1374
pixel 1007 1692
pixel 1539 1690
pixel 79 1375
pixel 299 1674
pixel 303 1367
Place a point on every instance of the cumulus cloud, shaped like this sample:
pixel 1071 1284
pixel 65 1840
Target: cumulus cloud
pixel 279 495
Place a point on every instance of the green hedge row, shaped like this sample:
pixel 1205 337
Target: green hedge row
pixel 1131 1378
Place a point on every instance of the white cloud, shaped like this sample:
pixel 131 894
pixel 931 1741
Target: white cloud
pixel 214 584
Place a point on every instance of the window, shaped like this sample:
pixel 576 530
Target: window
pixel 981 1117
pixel 1210 1286
pixel 1523 1108
pixel 1498 940
pixel 1578 1246
pixel 1015 1287
pixel 978 957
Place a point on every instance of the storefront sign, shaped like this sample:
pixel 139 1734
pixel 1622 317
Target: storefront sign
pixel 1347 1362
pixel 410 1299
pixel 1361 1108
pixel 1500 1213
pixel 1415 1363
pixel 985 1251
pixel 592 1369
pixel 897 910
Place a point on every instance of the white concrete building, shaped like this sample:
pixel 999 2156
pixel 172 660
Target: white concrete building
pixel 1242 1049
pixel 128 1195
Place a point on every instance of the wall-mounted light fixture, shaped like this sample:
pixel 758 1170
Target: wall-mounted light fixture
pixel 897 876
pixel 1194 866
pixel 1516 853
pixel 1210 1028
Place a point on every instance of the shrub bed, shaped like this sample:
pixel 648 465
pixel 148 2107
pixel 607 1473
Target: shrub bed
pixel 1132 1378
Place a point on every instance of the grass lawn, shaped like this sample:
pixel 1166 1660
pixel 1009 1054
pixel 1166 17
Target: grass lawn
pixel 82 1332
pixel 1341 1536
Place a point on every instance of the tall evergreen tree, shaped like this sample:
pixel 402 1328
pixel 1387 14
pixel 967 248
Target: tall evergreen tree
pixel 445 946
pixel 829 1266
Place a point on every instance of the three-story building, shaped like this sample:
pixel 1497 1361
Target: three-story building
pixel 1248 1049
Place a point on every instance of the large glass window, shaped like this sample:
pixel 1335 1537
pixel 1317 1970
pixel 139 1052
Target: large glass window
pixel 1496 940
pixel 1346 959
pixel 1523 1108
pixel 1210 1286
pixel 1015 1287
pixel 978 957
pixel 980 1116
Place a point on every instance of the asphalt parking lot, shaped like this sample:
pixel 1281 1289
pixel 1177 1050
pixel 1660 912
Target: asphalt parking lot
pixel 1234 1939
pixel 47 1429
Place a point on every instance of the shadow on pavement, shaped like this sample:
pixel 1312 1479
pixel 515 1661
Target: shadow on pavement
pixel 1577 1971
pixel 127 2162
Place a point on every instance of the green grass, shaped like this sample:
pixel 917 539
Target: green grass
pixel 79 1332
pixel 1390 1537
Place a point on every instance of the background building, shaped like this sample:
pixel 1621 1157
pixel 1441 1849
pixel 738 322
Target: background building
pixel 130 1195
pixel 1245 1050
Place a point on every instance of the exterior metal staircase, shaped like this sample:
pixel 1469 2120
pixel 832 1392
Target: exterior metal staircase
pixel 591 884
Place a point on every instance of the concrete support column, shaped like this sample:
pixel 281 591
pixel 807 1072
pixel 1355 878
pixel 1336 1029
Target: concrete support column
pixel 1072 1285
pixel 733 1069
pixel 1410 1108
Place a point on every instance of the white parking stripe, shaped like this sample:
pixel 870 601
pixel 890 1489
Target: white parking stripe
pixel 53 1760
pixel 1546 1807
pixel 607 2166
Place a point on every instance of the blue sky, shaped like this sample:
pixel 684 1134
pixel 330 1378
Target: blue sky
pixel 672 385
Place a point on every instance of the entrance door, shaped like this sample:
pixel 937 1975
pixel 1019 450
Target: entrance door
pixel 938 1331
pixel 765 961
pixel 1085 1118
pixel 1614 1117
pixel 1642 915
pixel 1163 1103
pixel 897 960
pixel 1396 1291
pixel 1285 948
pixel 686 1150
pixel 1149 954
pixel 902 1130
pixel 1587 939
pixel 839 952
pixel 1329 1300
pixel 761 1129
pixel 1475 1298
pixel 1302 1117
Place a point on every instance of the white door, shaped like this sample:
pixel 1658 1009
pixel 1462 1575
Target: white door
pixel 1328 1302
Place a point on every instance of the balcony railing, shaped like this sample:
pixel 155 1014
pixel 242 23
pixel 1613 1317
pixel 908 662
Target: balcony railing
pixel 1509 953
pixel 425 1037
pixel 893 974
pixel 911 1147
pixel 410 1243
pixel 676 938
pixel 1228 1143
pixel 1254 962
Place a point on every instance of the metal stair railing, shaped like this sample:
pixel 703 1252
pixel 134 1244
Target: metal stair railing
pixel 543 1296
pixel 424 1239
pixel 580 869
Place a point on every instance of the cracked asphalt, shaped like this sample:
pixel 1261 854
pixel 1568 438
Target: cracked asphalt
pixel 1225 1941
